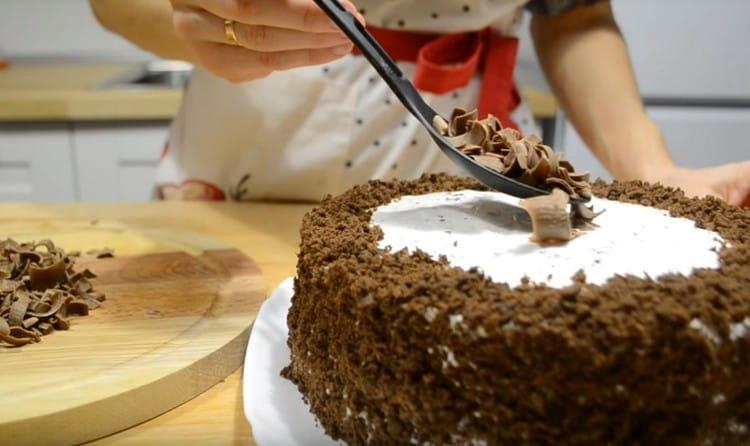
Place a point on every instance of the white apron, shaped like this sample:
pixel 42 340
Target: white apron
pixel 305 133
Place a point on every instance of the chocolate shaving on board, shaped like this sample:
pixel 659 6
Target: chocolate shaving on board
pixel 40 290
pixel 525 159
pixel 101 253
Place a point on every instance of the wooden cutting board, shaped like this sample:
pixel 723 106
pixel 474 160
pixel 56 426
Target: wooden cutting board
pixel 176 320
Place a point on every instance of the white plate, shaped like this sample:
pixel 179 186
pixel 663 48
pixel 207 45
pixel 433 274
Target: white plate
pixel 273 405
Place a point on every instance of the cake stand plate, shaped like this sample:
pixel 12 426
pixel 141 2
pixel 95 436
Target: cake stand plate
pixel 273 405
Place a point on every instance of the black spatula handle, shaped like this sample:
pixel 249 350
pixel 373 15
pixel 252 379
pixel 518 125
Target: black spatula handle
pixel 378 58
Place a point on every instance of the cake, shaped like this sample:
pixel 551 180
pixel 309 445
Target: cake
pixel 407 346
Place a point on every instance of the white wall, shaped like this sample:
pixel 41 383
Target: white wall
pixel 65 29
pixel 694 49
pixel 689 48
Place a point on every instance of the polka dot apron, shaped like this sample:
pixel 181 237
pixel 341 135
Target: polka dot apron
pixel 305 133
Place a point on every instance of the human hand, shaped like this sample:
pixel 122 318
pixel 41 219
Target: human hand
pixel 272 35
pixel 730 182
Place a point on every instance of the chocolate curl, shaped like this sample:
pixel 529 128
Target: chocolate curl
pixel 525 159
pixel 549 217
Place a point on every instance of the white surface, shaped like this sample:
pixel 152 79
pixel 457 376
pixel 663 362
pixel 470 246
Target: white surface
pixel 696 137
pixel 487 230
pixel 36 163
pixel 117 162
pixel 273 406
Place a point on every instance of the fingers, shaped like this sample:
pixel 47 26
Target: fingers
pixel 742 190
pixel 272 35
pixel 743 171
pixel 238 64
pixel 739 194
pixel 195 24
pixel 744 198
pixel 301 15
pixel 730 182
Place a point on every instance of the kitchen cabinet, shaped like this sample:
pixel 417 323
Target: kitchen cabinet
pixel 36 163
pixel 117 161
pixel 696 136
pixel 109 161
pixel 101 144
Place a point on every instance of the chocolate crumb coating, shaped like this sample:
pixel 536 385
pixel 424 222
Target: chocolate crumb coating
pixel 398 348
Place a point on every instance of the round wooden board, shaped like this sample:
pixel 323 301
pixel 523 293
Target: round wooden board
pixel 176 320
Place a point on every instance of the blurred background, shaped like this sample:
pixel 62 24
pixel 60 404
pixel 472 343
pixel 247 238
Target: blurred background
pixel 84 115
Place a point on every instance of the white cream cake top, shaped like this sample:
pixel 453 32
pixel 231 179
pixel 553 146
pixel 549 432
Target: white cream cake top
pixel 489 231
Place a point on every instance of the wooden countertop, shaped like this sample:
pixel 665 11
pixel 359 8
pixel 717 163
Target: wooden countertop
pixel 64 92
pixel 266 232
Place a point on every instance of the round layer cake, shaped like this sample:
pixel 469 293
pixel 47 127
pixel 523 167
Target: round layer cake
pixel 411 346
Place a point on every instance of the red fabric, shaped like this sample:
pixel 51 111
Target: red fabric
pixel 447 62
pixel 191 189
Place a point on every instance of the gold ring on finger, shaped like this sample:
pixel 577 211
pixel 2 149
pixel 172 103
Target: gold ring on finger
pixel 229 32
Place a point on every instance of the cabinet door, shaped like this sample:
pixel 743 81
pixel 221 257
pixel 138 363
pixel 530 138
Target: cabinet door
pixel 696 137
pixel 117 161
pixel 36 163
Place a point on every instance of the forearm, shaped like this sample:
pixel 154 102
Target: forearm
pixel 146 23
pixel 587 64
